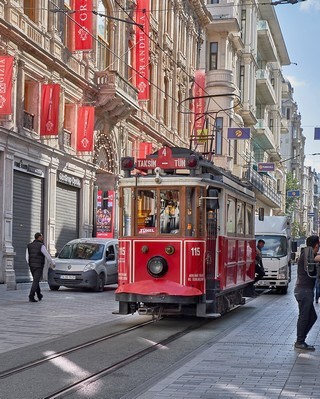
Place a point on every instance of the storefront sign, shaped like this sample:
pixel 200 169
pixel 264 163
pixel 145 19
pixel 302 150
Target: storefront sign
pixel 70 180
pixel 6 70
pixel 25 167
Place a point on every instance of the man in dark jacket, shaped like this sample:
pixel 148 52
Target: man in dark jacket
pixel 304 294
pixel 259 269
pixel 35 256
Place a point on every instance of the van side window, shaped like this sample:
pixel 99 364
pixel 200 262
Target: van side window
pixel 110 253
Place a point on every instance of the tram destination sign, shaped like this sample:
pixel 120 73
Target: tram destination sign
pixel 165 160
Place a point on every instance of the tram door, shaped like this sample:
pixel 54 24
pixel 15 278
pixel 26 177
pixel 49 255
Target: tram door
pixel 212 207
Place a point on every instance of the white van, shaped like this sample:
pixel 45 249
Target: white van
pixel 87 263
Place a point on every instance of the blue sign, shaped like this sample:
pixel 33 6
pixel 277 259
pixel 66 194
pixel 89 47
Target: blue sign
pixel 310 213
pixel 293 193
pixel 317 133
pixel 241 133
pixel 265 166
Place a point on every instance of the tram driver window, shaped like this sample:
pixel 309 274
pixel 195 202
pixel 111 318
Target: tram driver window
pixel 231 216
pixel 146 211
pixel 169 211
pixel 240 217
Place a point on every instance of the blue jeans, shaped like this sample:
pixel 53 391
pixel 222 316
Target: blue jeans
pixel 307 314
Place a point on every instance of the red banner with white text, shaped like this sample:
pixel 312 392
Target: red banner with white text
pixel 6 70
pixel 50 98
pixel 85 129
pixel 142 49
pixel 83 24
pixel 199 104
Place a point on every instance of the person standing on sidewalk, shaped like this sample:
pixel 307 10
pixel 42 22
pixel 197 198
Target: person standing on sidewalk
pixel 36 254
pixel 304 294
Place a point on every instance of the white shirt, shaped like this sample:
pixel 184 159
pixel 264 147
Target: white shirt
pixel 45 253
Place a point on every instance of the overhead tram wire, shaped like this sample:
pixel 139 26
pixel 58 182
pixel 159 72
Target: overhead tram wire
pixel 136 71
pixel 107 48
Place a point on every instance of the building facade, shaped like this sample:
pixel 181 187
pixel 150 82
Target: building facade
pixel 49 182
pixel 243 57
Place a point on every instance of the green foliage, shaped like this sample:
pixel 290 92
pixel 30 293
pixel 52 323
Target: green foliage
pixel 291 184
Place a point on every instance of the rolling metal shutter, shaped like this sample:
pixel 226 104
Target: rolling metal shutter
pixel 27 218
pixel 67 214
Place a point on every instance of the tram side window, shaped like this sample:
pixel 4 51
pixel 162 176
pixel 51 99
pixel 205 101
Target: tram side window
pixel 190 211
pixel 231 216
pixel 146 212
pixel 169 211
pixel 249 220
pixel 240 217
pixel 126 213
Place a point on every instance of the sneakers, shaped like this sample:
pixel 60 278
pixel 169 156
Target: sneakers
pixel 304 346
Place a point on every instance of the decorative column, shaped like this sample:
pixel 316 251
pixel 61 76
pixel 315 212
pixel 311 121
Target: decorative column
pixel 8 251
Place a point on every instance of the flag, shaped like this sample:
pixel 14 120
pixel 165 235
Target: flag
pixel 85 129
pixel 142 49
pixel 199 105
pixel 239 133
pixel 6 70
pixel 317 133
pixel 83 24
pixel 50 99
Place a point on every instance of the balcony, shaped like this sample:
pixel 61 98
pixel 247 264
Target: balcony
pixel 217 79
pixel 116 95
pixel 265 90
pixel 267 48
pixel 263 135
pixel 262 188
pixel 225 18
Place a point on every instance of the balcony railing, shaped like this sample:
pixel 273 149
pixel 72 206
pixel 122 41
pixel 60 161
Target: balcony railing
pixel 259 182
pixel 28 120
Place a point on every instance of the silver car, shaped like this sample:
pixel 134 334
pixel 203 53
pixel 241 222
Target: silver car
pixel 85 262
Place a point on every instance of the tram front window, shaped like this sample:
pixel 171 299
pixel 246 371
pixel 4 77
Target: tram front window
pixel 169 211
pixel 146 212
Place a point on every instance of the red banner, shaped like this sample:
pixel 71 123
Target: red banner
pixel 50 98
pixel 199 103
pixel 142 49
pixel 145 148
pixel 83 24
pixel 6 70
pixel 105 214
pixel 85 129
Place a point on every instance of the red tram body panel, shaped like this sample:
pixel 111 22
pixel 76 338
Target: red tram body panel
pixel 186 242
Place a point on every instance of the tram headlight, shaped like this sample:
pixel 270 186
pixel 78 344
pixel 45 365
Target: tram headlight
pixel 157 266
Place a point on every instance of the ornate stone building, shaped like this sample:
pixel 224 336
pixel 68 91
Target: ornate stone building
pixel 47 183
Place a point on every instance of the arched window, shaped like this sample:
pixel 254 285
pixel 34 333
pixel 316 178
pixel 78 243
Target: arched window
pixel 103 33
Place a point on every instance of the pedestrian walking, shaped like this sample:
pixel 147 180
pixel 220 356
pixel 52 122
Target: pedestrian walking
pixel 304 294
pixel 259 269
pixel 36 254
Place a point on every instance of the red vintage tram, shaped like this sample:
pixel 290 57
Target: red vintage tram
pixel 186 243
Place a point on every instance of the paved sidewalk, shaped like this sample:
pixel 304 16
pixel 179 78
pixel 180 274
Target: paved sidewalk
pixel 59 313
pixel 255 360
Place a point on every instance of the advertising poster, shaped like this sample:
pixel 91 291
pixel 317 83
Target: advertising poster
pixel 105 214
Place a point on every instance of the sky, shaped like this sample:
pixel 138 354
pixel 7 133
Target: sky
pixel 299 24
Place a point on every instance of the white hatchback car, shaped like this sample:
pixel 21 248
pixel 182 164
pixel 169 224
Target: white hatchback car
pixel 87 263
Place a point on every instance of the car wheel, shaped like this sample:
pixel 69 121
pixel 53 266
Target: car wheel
pixel 54 287
pixel 100 283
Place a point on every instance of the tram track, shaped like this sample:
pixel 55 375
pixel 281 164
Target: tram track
pixel 38 362
pixel 130 359
pixel 75 368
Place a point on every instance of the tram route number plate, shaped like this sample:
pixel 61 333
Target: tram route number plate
pixel 66 277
